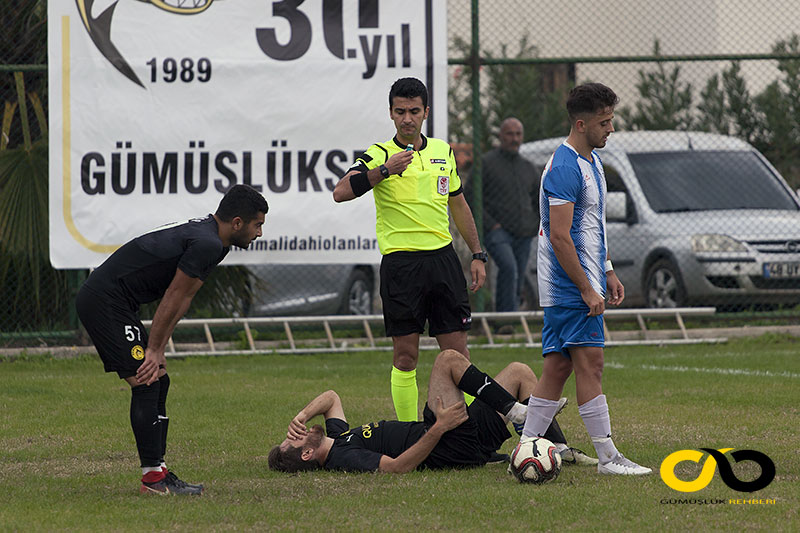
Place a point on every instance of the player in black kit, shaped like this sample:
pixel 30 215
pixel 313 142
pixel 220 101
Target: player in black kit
pixel 170 263
pixel 451 435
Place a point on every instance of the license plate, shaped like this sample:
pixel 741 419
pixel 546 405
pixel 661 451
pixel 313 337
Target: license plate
pixel 782 270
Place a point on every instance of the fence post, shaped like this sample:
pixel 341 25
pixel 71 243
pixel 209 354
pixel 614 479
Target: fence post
pixel 75 279
pixel 477 179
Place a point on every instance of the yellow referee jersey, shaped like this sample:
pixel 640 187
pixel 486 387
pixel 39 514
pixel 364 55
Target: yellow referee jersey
pixel 411 208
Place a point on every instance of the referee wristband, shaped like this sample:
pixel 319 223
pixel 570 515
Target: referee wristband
pixel 360 183
pixel 609 266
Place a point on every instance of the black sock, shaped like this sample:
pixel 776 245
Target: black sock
pixel 484 388
pixel 145 424
pixel 162 412
pixel 554 433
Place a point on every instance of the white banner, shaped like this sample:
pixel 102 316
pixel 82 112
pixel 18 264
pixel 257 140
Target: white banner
pixel 157 107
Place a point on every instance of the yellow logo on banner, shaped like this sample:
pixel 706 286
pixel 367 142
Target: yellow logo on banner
pixel 137 352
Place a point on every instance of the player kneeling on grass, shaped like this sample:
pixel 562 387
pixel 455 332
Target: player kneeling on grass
pixel 451 435
pixel 170 263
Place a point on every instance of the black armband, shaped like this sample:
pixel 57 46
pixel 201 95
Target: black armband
pixel 360 183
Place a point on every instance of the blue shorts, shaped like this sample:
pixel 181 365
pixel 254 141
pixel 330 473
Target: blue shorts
pixel 565 327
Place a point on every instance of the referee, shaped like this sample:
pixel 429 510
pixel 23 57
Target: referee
pixel 415 181
pixel 169 263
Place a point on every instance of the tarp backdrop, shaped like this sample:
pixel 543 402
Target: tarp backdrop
pixel 157 109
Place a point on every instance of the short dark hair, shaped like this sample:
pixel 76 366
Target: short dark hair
pixel 408 88
pixel 589 98
pixel 290 461
pixel 241 201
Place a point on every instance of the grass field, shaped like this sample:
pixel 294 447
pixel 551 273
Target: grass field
pixel 68 461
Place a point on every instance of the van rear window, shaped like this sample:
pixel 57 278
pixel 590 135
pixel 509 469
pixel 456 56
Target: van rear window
pixel 709 180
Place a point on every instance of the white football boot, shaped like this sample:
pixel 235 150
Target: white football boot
pixel 621 465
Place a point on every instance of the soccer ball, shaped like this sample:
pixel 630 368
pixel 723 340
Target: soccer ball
pixel 535 460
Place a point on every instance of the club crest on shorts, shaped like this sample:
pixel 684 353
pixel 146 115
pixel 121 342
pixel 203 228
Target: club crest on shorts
pixel 444 185
pixel 137 352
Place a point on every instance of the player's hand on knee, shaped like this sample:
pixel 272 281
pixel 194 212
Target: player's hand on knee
pixel 449 417
pixel 147 373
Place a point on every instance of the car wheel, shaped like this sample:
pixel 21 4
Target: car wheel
pixel 663 287
pixel 357 298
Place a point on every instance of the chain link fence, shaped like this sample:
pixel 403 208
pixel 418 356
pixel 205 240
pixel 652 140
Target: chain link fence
pixel 698 211
pixel 708 122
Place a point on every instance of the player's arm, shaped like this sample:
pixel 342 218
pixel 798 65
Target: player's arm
pixel 327 404
pixel 564 249
pixel 462 216
pixel 357 181
pixel 172 307
pixel 447 418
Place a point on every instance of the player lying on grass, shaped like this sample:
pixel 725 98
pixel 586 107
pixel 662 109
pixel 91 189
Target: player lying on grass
pixel 450 436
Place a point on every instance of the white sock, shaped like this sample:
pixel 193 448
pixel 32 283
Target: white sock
pixel 146 469
pixel 560 446
pixel 539 416
pixel 598 423
pixel 518 413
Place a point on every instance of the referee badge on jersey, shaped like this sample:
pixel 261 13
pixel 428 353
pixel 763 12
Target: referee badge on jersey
pixel 137 352
pixel 444 185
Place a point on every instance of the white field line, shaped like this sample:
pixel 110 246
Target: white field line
pixel 721 371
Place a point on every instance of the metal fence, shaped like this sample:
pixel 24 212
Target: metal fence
pixel 708 120
pixel 696 217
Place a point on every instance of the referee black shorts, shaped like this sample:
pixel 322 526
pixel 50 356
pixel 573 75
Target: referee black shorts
pixel 471 443
pixel 424 285
pixel 115 329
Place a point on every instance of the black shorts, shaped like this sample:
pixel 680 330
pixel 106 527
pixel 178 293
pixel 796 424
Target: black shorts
pixel 115 329
pixel 470 443
pixel 420 286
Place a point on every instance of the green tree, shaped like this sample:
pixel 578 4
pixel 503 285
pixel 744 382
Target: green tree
pixel 506 90
pixel 713 116
pixel 23 24
pixel 665 101
pixel 518 90
pixel 32 293
pixel 727 107
pixel 779 104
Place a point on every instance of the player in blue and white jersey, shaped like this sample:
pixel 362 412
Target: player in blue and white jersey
pixel 575 276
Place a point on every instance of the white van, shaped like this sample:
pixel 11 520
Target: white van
pixel 696 219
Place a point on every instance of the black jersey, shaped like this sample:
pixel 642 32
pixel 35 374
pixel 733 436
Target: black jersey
pixel 142 269
pixel 360 449
pixel 470 444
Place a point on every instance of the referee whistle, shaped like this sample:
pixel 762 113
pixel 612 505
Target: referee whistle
pixel 410 148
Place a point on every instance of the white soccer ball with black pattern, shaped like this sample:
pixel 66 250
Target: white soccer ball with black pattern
pixel 535 460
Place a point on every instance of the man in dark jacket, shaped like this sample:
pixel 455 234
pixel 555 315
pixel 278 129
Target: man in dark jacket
pixel 510 212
